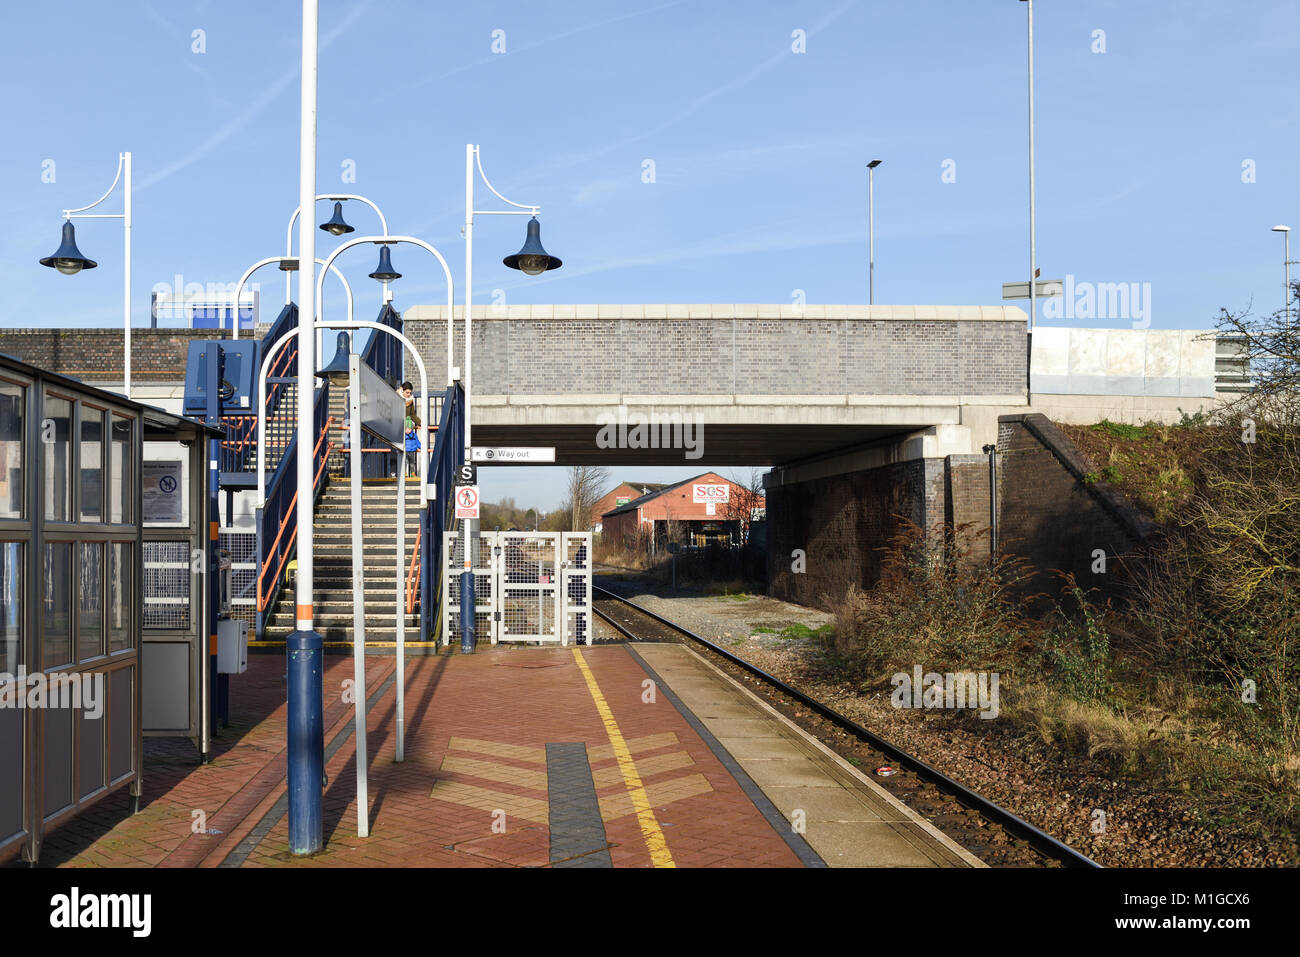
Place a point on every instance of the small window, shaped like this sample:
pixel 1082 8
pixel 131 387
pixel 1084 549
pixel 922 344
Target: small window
pixel 56 447
pixel 13 398
pixel 90 600
pixel 120 483
pixel 11 606
pixel 119 592
pixel 91 464
pixel 56 637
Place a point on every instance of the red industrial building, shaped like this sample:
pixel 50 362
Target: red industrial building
pixel 699 510
pixel 620 495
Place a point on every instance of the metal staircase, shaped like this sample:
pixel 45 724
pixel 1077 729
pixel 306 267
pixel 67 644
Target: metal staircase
pixel 332 550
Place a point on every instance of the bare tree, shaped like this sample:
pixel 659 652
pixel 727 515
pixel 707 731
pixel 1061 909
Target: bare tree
pixel 1268 351
pixel 744 499
pixel 586 485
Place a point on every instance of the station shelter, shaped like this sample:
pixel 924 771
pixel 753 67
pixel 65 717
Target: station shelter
pixel 107 616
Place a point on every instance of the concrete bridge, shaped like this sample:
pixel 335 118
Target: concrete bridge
pixel 761 384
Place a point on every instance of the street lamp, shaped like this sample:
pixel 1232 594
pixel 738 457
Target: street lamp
pixel 1033 248
pixel 332 372
pixel 336 225
pixel 68 260
pixel 344 371
pixel 871 231
pixel 385 272
pixel 531 260
pixel 288 266
pixel 1286 273
pixel 305 647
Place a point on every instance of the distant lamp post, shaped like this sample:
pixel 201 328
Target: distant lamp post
pixel 1286 273
pixel 871 231
pixel 992 452
pixel 68 259
pixel 1033 224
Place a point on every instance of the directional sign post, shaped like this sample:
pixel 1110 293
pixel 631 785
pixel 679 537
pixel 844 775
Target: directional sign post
pixel 517 455
pixel 1043 289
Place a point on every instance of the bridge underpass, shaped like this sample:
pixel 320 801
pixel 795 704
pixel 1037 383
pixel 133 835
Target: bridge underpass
pixel 862 412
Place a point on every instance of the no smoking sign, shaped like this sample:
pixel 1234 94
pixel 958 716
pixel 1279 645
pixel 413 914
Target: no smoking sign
pixel 467 501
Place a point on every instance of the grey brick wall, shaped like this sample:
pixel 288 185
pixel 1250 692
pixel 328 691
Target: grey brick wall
pixel 522 356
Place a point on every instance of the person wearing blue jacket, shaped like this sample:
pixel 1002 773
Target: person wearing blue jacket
pixel 412 425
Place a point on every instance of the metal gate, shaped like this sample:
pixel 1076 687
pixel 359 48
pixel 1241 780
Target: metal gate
pixel 529 586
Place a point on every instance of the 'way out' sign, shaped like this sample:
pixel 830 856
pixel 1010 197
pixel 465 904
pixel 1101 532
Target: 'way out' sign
pixel 710 494
pixel 467 501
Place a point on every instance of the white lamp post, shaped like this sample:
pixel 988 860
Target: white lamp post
pixel 335 227
pixel 68 260
pixel 532 260
pixel 1286 273
pixel 871 231
pixel 1033 247
pixel 289 266
pixel 305 648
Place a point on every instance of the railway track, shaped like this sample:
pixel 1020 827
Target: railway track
pixel 991 832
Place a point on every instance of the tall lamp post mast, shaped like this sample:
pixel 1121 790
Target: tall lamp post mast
pixel 1033 248
pixel 305 647
pixel 871 231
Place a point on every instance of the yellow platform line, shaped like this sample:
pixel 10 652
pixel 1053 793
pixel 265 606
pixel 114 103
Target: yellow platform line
pixel 655 843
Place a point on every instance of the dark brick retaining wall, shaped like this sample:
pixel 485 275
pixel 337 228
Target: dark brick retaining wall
pixel 1051 517
pixel 157 355
pixel 841 522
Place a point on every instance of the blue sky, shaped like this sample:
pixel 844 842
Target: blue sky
pixel 759 152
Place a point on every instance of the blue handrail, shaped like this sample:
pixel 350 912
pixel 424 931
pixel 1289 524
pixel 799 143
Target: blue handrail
pixel 275 542
pixel 447 455
pixel 384 353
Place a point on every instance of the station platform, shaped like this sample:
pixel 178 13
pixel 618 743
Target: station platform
pixel 607 756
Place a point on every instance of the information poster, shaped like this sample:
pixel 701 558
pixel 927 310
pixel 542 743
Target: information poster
pixel 163 493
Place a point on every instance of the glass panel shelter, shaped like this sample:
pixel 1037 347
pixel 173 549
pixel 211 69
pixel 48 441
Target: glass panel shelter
pixel 75 654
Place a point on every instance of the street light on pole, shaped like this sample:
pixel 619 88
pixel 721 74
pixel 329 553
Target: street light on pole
pixel 305 647
pixel 345 370
pixel 1286 273
pixel 1033 248
pixel 336 225
pixel 401 520
pixel 531 260
pixel 871 231
pixel 289 266
pixel 68 260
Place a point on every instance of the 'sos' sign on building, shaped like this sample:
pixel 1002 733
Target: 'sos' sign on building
pixel 710 494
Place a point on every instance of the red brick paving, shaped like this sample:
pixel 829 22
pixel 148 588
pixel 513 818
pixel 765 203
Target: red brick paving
pixel 476 731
